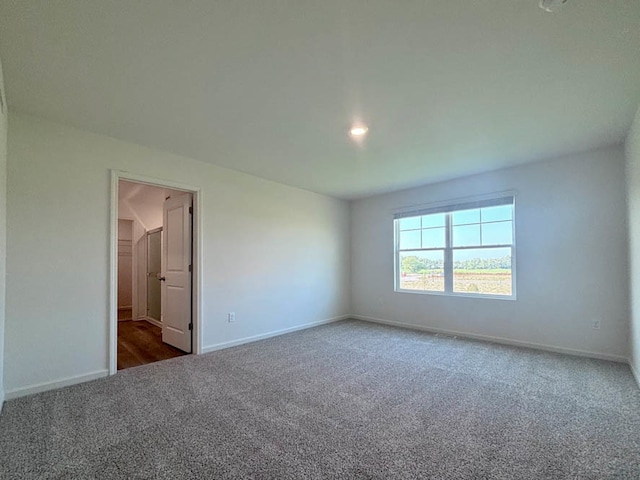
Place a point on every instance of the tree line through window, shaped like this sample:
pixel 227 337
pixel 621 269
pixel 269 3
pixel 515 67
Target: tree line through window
pixel 465 249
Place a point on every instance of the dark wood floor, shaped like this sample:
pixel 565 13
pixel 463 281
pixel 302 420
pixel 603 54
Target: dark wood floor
pixel 140 343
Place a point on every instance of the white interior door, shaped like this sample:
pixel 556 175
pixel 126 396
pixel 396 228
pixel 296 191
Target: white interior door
pixel 176 271
pixel 154 272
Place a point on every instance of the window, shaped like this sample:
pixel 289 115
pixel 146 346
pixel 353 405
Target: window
pixel 465 249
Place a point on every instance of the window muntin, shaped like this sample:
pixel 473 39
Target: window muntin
pixel 457 250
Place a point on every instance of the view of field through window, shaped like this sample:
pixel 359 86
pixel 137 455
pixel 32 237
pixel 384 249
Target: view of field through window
pixel 478 242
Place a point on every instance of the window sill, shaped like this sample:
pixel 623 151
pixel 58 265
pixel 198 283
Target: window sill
pixel 459 295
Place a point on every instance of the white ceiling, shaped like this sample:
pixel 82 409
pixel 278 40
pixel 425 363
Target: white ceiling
pixel 447 87
pixel 137 201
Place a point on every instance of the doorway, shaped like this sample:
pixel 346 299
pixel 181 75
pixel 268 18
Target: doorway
pixel 160 221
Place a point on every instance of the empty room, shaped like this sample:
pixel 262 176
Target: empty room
pixel 290 239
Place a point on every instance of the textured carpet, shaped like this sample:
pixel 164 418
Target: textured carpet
pixel 346 400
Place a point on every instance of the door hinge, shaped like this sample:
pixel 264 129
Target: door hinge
pixel 191 326
pixel 191 210
pixel 190 267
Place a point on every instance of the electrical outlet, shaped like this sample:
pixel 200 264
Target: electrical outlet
pixel 595 324
pixel 232 316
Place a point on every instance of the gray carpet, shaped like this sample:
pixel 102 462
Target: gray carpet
pixel 346 400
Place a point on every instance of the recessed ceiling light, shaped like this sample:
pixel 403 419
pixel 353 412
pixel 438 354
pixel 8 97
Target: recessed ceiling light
pixel 359 130
pixel 551 5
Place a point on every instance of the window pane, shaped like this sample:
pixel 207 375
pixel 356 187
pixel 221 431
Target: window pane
pixel 466 216
pixel 434 220
pixel 495 214
pixel 422 271
pixel 410 223
pixel 410 239
pixel 482 271
pixel 433 238
pixel 500 233
pixel 466 236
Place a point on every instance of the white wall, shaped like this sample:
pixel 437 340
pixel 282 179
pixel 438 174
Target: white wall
pixel 633 203
pixel 3 225
pixel 276 255
pixel 571 257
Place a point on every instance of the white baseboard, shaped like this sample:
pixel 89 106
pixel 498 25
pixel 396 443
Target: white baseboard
pixel 501 340
pixel 152 321
pixel 63 382
pixel 275 333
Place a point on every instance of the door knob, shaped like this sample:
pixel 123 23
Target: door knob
pixel 162 279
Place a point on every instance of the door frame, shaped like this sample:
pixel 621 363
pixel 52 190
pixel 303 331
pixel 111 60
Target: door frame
pixel 196 285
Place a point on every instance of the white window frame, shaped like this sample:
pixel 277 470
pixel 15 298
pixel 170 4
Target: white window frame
pixel 449 208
